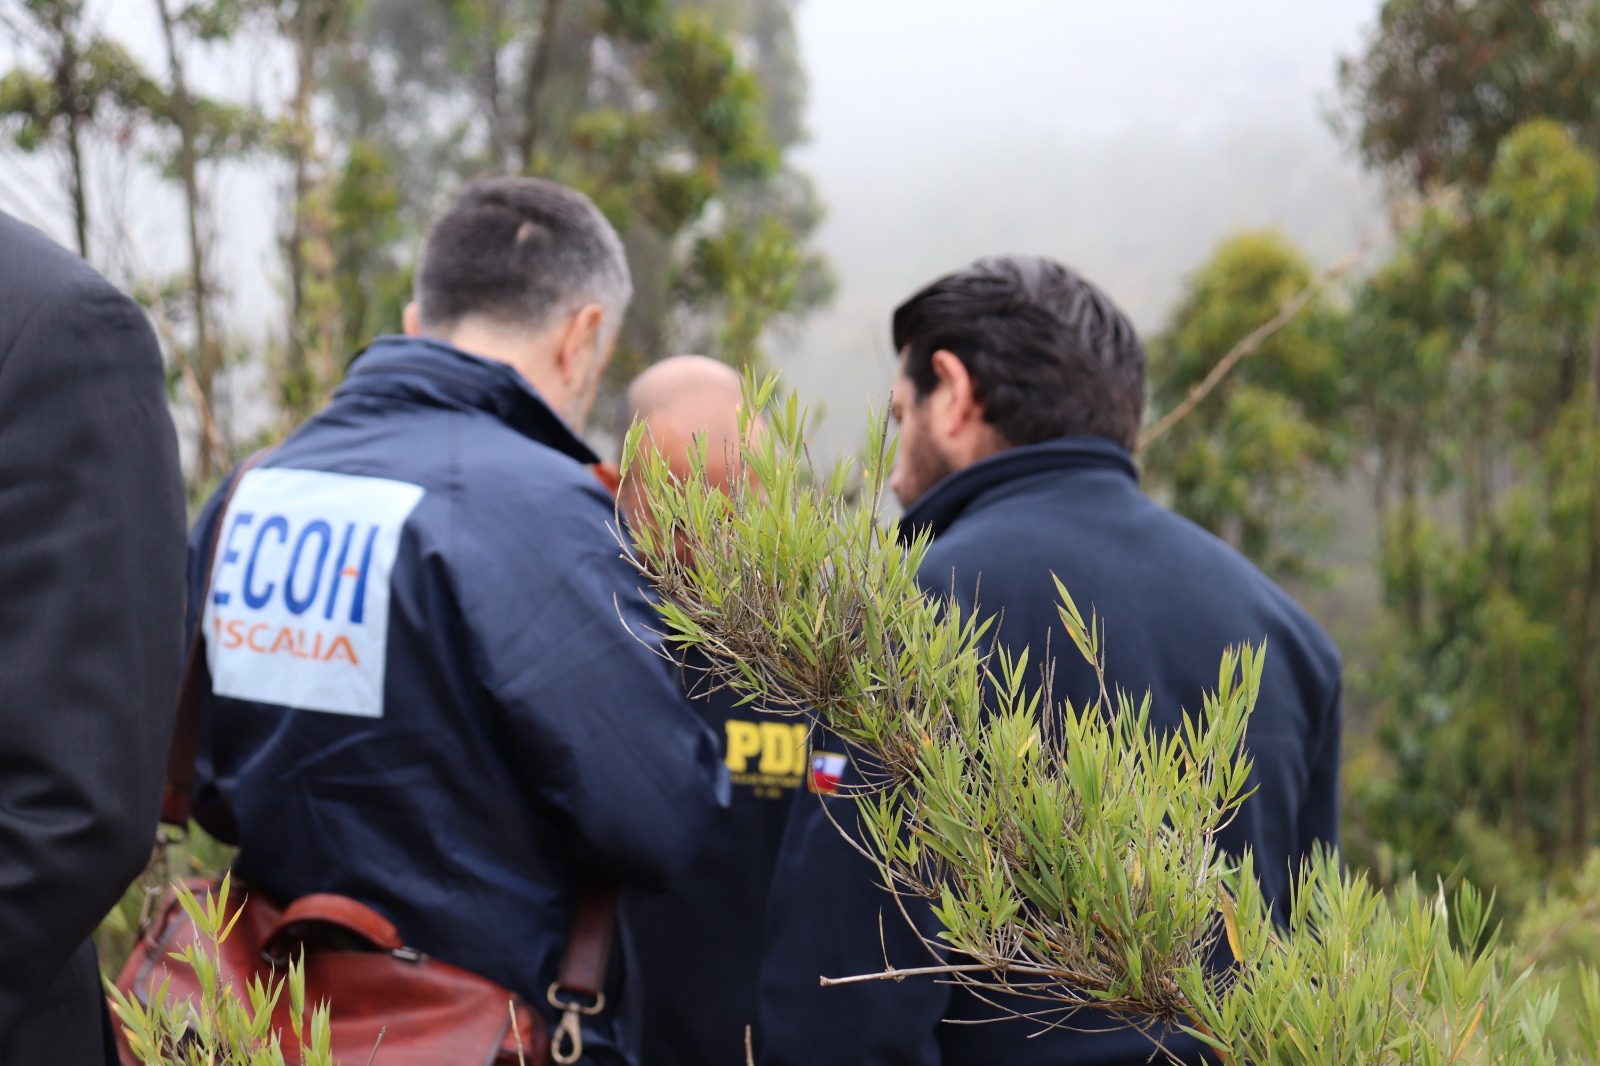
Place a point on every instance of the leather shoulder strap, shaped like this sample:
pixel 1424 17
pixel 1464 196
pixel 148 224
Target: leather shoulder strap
pixel 579 988
pixel 583 966
pixel 191 691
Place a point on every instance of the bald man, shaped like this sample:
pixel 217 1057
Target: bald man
pixel 699 944
pixel 679 399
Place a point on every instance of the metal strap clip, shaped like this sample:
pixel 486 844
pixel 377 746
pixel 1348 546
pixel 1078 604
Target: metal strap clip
pixel 567 1045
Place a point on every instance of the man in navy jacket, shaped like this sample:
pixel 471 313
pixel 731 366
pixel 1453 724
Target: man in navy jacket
pixel 1019 396
pixel 699 943
pixel 433 685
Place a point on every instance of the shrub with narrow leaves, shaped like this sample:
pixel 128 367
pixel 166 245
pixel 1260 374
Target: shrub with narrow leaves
pixel 1069 853
pixel 225 1026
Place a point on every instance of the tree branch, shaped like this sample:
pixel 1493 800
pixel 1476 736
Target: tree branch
pixel 1254 340
pixel 924 971
pixel 538 72
pixel 1401 218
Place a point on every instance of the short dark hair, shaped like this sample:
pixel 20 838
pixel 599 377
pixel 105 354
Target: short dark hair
pixel 520 251
pixel 1050 355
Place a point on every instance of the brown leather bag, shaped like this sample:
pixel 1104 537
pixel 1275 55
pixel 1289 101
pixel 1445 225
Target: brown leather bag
pixel 427 1012
pixel 414 1010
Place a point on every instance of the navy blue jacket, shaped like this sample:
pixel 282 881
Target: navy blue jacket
pixel 698 945
pixel 433 689
pixel 1172 598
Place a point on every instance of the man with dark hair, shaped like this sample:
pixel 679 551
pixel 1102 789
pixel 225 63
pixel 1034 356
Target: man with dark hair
pixel 433 685
pixel 699 943
pixel 1019 397
pixel 91 610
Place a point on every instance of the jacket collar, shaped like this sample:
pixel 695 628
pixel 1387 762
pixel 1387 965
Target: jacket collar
pixel 954 495
pixel 429 371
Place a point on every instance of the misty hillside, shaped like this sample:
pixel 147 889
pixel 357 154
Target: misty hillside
pixel 1135 211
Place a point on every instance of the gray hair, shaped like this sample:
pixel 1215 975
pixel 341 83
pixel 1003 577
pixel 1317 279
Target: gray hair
pixel 523 252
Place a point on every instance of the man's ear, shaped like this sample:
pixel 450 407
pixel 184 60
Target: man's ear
pixel 955 394
pixel 411 320
pixel 580 344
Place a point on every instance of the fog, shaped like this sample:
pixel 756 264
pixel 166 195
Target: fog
pixel 1125 139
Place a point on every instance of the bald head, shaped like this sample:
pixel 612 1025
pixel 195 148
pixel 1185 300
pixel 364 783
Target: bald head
pixel 682 396
pixel 679 399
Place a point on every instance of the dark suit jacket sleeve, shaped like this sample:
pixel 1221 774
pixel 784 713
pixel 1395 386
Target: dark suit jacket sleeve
pixel 91 589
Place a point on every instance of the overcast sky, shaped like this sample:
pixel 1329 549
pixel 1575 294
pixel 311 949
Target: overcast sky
pixel 925 68
pixel 1124 138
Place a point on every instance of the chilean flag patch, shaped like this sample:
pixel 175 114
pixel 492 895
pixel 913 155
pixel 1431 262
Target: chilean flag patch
pixel 826 772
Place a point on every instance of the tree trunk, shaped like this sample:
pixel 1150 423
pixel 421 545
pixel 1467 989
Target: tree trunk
pixel 80 200
pixel 206 358
pixel 1406 531
pixel 1594 363
pixel 1521 712
pixel 1588 647
pixel 297 387
pixel 1589 626
pixel 67 90
pixel 1477 424
pixel 499 150
pixel 540 52
pixel 1383 473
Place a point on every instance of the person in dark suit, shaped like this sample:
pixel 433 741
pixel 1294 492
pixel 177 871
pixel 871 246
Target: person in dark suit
pixel 91 614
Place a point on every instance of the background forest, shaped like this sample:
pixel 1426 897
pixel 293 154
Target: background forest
pixel 1416 453
pixel 674 117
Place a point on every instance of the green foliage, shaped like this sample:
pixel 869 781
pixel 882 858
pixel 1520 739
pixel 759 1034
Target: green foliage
pixel 675 115
pixel 70 76
pixel 105 78
pixel 371 285
pixel 1473 349
pixel 176 856
pixel 1542 245
pixel 1441 82
pixel 1406 323
pixel 658 110
pixel 661 166
pixel 210 21
pixel 1067 853
pixel 1465 377
pixel 1560 933
pixel 754 275
pixel 1357 978
pixel 222 131
pixel 225 1026
pixel 85 78
pixel 1248 463
pixel 1487 713
pixel 1076 856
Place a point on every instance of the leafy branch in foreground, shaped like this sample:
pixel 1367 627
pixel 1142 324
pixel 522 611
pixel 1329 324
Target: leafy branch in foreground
pixel 223 1026
pixel 1068 852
